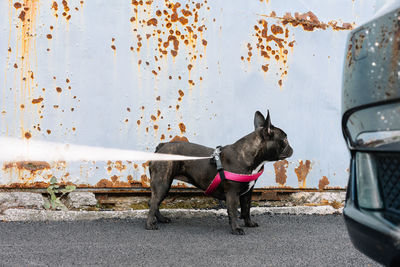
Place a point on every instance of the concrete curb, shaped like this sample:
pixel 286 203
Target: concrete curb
pixel 24 215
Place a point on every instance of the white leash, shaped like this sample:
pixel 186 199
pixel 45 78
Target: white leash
pixel 14 149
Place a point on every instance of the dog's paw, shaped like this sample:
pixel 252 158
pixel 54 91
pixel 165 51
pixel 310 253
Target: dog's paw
pixel 251 224
pixel 163 219
pixel 151 226
pixel 238 231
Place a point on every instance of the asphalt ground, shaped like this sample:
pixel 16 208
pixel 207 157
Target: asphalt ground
pixel 281 240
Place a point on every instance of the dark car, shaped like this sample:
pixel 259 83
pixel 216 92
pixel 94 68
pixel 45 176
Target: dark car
pixel 371 128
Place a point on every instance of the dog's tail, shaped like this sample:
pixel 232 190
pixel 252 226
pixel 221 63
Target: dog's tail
pixel 159 146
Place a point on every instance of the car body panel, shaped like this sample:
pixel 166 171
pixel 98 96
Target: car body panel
pixel 371 127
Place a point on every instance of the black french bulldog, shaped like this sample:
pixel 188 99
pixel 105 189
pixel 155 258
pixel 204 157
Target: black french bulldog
pixel 245 156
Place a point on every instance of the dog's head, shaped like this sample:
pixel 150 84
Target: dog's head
pixel 274 143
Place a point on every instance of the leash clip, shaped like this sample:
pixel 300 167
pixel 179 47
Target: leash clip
pixel 216 156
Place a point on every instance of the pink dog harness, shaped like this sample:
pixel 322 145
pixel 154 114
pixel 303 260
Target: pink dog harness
pixel 242 178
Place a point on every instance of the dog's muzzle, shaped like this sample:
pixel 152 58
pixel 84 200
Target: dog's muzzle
pixel 287 152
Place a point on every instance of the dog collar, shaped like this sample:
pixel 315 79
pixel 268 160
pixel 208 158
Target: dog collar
pixel 222 174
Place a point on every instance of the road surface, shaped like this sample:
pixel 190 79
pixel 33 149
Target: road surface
pixel 281 240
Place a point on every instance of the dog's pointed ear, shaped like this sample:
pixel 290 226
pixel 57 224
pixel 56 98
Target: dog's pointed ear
pixel 267 124
pixel 259 120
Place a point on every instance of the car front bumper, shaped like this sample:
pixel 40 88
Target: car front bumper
pixel 375 233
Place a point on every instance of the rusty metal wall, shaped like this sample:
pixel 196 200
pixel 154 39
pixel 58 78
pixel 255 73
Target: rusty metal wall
pixel 129 74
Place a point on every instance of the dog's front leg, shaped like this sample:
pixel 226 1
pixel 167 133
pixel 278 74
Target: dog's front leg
pixel 245 204
pixel 232 199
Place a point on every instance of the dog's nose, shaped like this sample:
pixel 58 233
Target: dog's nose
pixel 287 151
pixel 290 152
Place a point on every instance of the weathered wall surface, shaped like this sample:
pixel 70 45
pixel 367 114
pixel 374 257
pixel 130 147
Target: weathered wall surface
pixel 129 74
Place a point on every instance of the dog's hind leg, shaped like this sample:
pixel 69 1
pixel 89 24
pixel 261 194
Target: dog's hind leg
pixel 161 218
pixel 160 183
pixel 245 203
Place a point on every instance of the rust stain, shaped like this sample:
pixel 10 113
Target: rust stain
pixel 272 43
pixel 115 182
pixel 27 185
pixel 17 5
pixel 104 183
pixel 145 181
pixel 26 12
pixel 32 166
pixel 29 171
pixel 28 135
pixel 145 165
pixel 179 139
pixel 394 66
pixel 280 172
pixel 309 21
pixel 302 171
pixel 323 182
pixel 180 185
pixel 182 127
pixel 65 10
pixel 152 21
pixel 273 40
pixel 170 27
pixel 114 179
pixel 37 100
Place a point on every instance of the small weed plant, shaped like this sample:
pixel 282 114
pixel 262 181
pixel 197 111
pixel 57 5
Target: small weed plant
pixel 56 193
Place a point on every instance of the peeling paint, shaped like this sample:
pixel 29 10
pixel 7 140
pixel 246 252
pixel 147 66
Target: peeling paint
pixel 280 172
pixel 274 42
pixel 27 165
pixel 302 171
pixel 179 139
pixel 174 25
pixel 309 22
pixel 182 127
pixel 145 181
pixel 323 182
